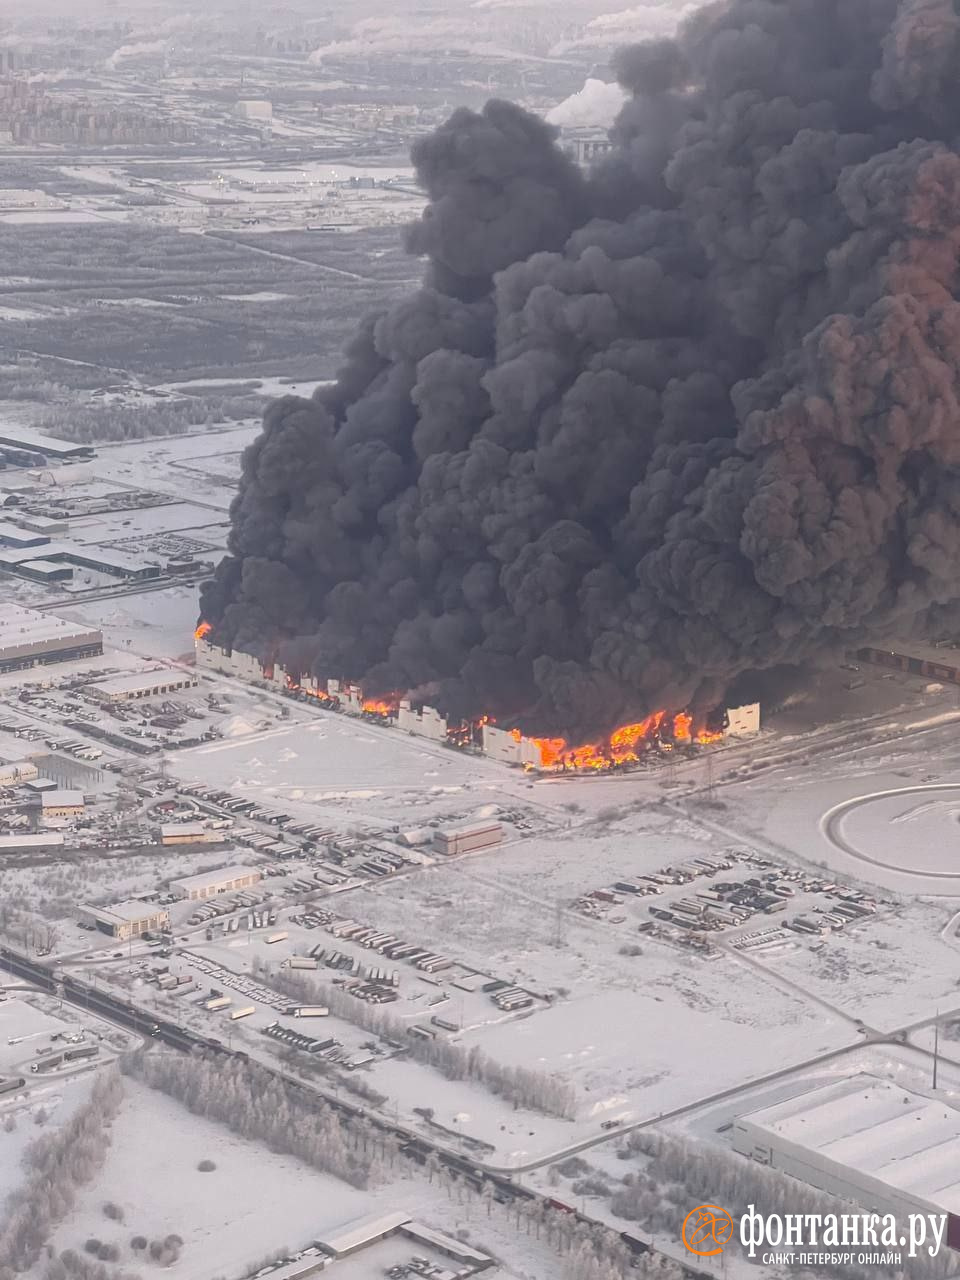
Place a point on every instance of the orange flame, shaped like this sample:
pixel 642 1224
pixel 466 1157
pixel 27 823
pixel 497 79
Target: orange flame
pixel 202 631
pixel 379 707
pixel 624 745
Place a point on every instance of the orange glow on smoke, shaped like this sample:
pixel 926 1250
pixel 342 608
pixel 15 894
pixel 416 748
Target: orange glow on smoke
pixel 202 631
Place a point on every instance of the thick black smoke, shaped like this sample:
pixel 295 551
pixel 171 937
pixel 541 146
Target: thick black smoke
pixel 640 434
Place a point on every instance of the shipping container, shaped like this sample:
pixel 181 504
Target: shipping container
pixel 82 1051
pixel 301 962
pixel 445 1024
pixel 217 1002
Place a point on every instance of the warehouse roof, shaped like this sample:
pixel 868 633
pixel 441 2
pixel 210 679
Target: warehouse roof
pixel 52 841
pixel 24 438
pixel 62 799
pixel 445 1243
pixel 106 555
pixel 21 537
pixel 182 829
pixel 20 627
pixel 470 828
pixel 904 1139
pixel 215 877
pixel 45 566
pixel 363 1231
pixel 130 910
pixel 139 681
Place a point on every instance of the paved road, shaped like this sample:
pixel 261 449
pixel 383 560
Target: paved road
pixel 415 1146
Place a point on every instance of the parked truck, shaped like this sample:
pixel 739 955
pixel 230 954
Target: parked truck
pixel 217 1002
pixel 308 1011
pixel 245 1012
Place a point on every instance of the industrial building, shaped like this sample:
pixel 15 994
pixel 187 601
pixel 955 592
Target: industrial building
pixel 126 920
pixel 15 772
pixel 142 684
pixel 115 563
pixel 363 1232
pixel 468 836
pixel 62 804
pixel 21 558
pixel 14 437
pixel 29 638
pixel 864 1139
pixel 255 109
pixel 23 843
pixel 45 570
pixel 11 536
pixel 186 833
pixel 210 883
pixel 503 745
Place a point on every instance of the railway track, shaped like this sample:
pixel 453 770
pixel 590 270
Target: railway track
pixel 413 1144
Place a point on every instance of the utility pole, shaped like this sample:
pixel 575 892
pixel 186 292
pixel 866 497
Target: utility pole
pixel 936 1049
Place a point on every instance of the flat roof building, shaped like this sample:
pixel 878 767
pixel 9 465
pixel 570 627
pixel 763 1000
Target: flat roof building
pixel 29 638
pixel 142 684
pixel 469 835
pixel 127 919
pixel 16 771
pixel 15 437
pixel 11 536
pixel 863 1139
pixel 361 1232
pixel 62 804
pixel 105 560
pixel 186 833
pixel 23 843
pixel 210 883
pixel 45 570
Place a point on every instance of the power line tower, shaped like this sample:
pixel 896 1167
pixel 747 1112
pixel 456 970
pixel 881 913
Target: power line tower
pixel 559 924
pixel 709 780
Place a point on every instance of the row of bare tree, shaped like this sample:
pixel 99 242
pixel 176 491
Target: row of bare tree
pixel 535 1090
pixel 57 1165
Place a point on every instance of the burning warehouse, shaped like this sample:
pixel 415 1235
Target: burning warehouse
pixel 652 434
pixel 625 746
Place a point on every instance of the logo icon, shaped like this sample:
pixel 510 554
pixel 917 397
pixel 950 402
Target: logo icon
pixel 706 1230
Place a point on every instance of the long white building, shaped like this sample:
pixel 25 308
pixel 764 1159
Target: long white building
pixel 863 1139
pixel 502 745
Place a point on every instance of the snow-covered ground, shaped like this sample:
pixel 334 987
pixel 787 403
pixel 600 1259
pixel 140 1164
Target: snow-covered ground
pixel 257 1204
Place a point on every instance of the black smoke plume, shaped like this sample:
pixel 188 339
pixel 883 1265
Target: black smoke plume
pixel 642 433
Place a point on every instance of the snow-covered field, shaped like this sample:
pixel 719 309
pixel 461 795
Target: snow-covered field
pixel 256 1204
pixel 252 1205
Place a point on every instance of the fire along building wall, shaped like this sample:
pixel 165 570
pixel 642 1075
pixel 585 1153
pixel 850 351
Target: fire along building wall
pixel 502 746
pixel 496 744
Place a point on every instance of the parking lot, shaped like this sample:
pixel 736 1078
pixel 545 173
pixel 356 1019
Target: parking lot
pixel 720 904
